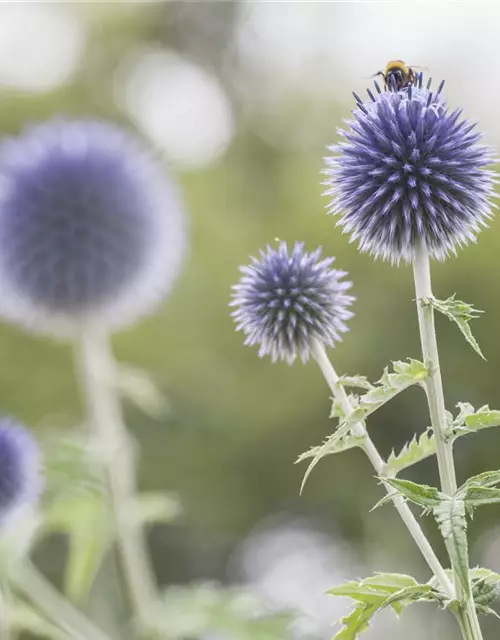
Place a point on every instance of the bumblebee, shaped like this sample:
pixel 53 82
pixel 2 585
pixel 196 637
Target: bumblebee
pixel 397 75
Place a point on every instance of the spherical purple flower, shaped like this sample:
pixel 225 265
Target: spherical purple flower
pixel 91 229
pixel 20 474
pixel 286 299
pixel 408 172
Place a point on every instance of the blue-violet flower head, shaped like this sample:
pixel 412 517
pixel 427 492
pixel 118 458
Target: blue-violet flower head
pixel 409 173
pixel 20 468
pixel 286 299
pixel 91 229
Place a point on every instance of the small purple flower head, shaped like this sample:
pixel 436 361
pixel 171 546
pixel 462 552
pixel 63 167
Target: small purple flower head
pixel 91 230
pixel 20 469
pixel 285 300
pixel 408 172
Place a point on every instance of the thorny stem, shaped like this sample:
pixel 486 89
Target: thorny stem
pixel 378 463
pixel 435 399
pixel 97 370
pixel 28 580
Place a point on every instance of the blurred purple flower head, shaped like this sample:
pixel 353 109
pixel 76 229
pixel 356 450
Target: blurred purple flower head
pixel 409 171
pixel 91 229
pixel 20 474
pixel 286 299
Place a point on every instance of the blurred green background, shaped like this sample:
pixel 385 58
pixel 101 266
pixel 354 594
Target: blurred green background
pixel 240 99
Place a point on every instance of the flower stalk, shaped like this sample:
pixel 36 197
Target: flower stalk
pixel 97 370
pixel 435 399
pixel 319 354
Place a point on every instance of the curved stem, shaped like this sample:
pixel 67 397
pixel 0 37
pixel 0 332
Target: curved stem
pixel 435 399
pixel 378 463
pixel 56 607
pixel 97 370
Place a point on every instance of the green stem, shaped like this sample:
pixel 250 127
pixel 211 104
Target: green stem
pixel 56 607
pixel 378 463
pixel 5 602
pixel 98 374
pixel 435 399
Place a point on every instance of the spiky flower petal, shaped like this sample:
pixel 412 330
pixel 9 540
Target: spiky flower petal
pixel 286 299
pixel 20 474
pixel 91 229
pixel 409 171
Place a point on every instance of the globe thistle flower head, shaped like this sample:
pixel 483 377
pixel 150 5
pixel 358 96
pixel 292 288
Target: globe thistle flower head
pixel 409 172
pixel 286 299
pixel 20 475
pixel 91 230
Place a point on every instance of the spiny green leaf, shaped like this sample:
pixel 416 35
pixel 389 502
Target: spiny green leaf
pixel 421 494
pixel 412 452
pixel 376 593
pixel 360 382
pixel 469 420
pixel 329 446
pixel 483 419
pixel 338 412
pixel 485 591
pixel 487 610
pixel 459 312
pixel 356 621
pixel 480 490
pixel 374 587
pixel 405 375
pixel 348 442
pixel 450 516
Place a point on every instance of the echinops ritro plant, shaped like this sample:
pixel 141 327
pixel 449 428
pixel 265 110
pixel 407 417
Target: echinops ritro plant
pixel 410 180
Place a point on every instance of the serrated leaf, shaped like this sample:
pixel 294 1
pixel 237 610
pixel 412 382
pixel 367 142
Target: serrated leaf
pixel 487 610
pixel 412 452
pixel 485 591
pixel 459 312
pixel 359 382
pixel 374 587
pixel 421 494
pixel 376 593
pixel 450 516
pixel 483 419
pixel 356 621
pixel 405 375
pixel 330 444
pixel 480 490
pixel 350 441
pixel 337 410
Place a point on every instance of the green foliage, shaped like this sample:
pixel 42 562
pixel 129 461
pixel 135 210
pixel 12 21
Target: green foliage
pixel 480 490
pixel 359 382
pixel 450 516
pixel 412 452
pixel 376 593
pixel 205 609
pixel 421 494
pixel 79 516
pixel 137 386
pixel 459 312
pixel 404 375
